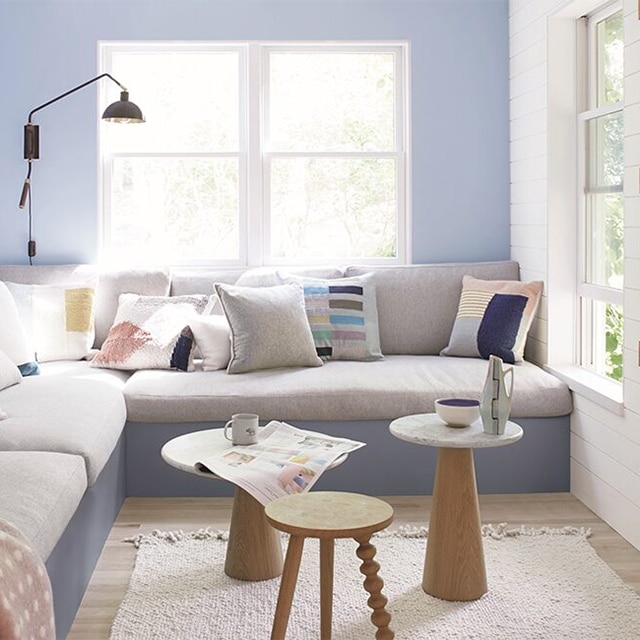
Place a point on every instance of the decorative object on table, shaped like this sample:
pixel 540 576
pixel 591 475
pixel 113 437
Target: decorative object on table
pixel 244 429
pixel 495 404
pixel 458 412
pixel 545 583
pixel 122 111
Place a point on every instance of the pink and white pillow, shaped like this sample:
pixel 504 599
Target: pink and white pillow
pixel 152 332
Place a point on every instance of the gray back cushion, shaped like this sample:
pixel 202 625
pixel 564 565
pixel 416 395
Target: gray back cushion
pixel 144 282
pixel 417 304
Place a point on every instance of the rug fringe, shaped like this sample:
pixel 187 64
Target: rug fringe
pixel 495 531
pixel 157 535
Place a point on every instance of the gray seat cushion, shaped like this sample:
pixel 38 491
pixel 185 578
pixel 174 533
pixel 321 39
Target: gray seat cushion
pixel 39 493
pixel 339 390
pixel 66 414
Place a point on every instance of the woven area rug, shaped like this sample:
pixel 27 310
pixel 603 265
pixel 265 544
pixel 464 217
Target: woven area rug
pixel 543 583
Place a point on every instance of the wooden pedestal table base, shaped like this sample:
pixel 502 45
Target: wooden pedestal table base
pixel 254 550
pixel 328 515
pixel 454 567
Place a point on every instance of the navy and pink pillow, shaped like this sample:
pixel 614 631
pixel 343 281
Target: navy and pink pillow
pixel 494 318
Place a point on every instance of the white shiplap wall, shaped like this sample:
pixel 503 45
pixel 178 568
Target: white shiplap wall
pixel 605 446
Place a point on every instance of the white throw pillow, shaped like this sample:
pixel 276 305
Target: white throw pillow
pixel 152 332
pixel 213 337
pixel 9 372
pixel 269 327
pixel 13 337
pixel 59 319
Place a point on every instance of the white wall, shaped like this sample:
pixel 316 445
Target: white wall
pixel 605 446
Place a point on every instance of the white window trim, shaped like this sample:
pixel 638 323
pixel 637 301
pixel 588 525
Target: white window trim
pixel 254 157
pixel 563 85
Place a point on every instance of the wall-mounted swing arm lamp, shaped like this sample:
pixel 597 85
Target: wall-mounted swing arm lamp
pixel 123 111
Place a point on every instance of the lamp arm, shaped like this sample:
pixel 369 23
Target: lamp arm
pixel 80 86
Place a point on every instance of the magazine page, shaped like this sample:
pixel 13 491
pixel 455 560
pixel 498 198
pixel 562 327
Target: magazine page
pixel 285 460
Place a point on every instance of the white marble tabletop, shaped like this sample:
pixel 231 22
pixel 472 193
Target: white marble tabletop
pixel 430 429
pixel 184 451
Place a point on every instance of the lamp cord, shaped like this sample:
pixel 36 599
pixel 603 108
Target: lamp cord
pixel 30 219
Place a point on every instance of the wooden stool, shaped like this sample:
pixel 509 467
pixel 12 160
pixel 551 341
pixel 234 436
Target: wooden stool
pixel 328 515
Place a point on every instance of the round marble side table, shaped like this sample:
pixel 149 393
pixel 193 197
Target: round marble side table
pixel 254 549
pixel 454 567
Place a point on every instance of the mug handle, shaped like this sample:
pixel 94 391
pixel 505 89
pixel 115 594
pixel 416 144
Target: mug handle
pixel 226 428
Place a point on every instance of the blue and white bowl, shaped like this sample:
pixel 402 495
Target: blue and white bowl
pixel 458 412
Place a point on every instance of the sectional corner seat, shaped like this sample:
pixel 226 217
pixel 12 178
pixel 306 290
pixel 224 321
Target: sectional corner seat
pixel 78 440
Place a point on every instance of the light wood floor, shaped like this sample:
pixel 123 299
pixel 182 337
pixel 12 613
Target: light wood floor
pixel 142 515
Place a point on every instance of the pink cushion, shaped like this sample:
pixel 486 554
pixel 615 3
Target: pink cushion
pixel 26 606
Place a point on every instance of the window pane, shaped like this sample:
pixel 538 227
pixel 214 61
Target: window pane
pixel 605 240
pixel 190 101
pixel 610 53
pixel 606 336
pixel 605 141
pixel 331 101
pixel 174 210
pixel 322 208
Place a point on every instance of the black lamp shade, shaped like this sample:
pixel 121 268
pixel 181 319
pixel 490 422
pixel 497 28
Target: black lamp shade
pixel 123 111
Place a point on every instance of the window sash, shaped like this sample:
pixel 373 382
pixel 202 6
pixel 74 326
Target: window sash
pixel 254 160
pixel 592 297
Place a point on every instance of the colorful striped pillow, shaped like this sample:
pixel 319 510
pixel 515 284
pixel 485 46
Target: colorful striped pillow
pixel 343 316
pixel 494 317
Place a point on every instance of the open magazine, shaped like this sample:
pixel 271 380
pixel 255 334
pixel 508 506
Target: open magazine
pixel 285 460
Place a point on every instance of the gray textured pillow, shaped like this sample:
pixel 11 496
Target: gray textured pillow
pixel 269 327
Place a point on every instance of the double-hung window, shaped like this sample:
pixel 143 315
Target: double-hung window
pixel 257 153
pixel 601 201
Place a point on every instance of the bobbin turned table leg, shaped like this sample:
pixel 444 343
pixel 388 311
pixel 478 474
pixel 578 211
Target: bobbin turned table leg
pixel 373 584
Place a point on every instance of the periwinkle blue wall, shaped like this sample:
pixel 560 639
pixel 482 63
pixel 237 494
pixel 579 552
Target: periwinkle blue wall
pixel 459 105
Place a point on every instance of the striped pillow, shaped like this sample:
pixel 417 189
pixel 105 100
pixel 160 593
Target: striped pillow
pixel 494 317
pixel 343 316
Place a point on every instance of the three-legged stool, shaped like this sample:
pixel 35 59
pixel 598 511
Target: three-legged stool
pixel 328 515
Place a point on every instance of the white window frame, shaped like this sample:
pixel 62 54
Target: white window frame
pixel 254 156
pixel 588 350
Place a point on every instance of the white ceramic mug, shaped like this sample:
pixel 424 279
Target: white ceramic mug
pixel 244 428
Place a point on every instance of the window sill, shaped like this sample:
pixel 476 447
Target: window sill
pixel 606 393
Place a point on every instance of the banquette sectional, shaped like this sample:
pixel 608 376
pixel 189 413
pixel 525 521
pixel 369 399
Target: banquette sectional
pixel 79 439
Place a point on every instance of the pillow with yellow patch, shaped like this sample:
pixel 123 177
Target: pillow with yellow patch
pixel 58 319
